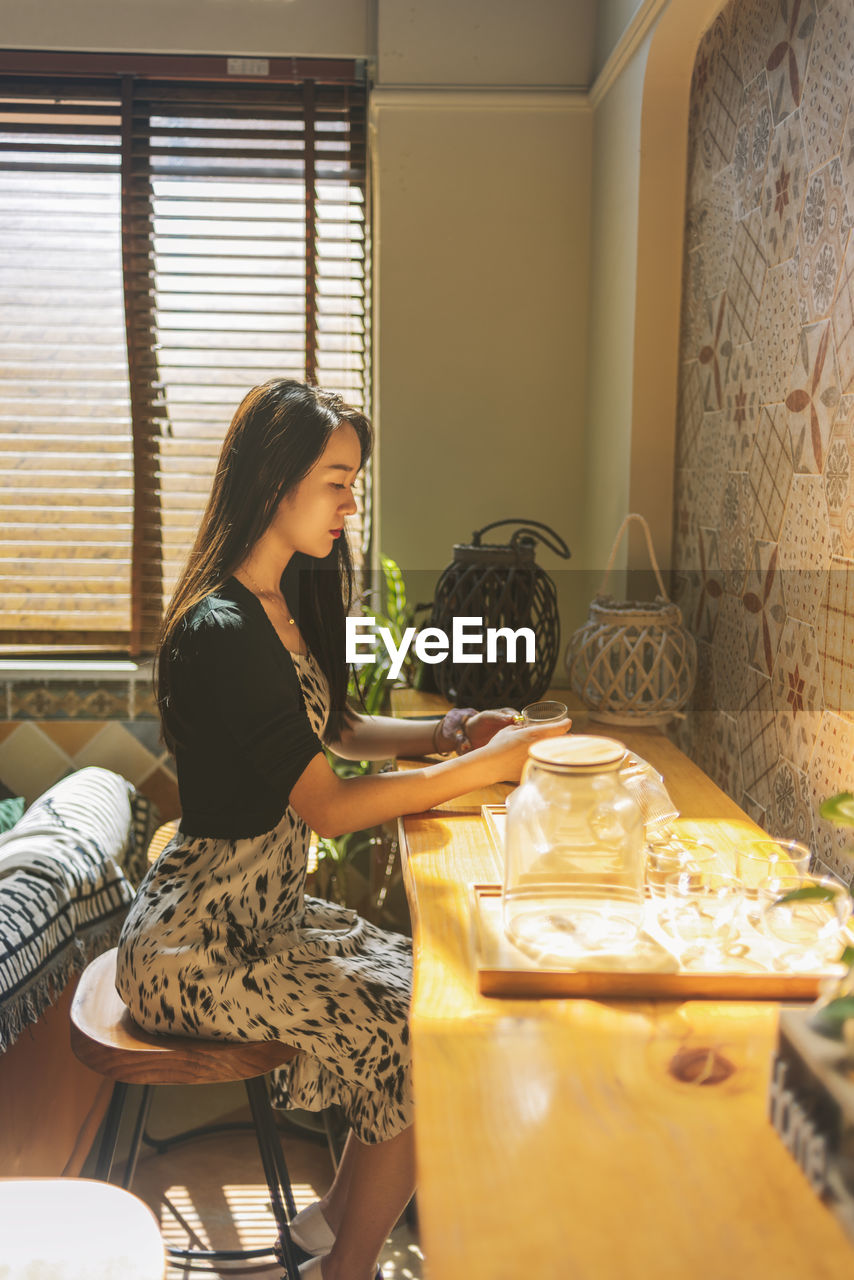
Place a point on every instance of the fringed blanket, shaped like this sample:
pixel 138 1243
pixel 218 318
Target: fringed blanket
pixel 63 892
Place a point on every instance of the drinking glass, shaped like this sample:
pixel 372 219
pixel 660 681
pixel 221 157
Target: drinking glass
pixel 805 917
pixel 767 859
pixel 543 712
pixel 702 909
pixel 667 854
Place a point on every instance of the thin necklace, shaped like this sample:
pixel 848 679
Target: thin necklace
pixel 274 597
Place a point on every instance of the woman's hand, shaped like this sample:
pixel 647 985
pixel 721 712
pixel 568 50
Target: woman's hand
pixel 509 746
pixel 483 726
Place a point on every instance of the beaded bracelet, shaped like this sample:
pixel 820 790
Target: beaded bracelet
pixel 455 721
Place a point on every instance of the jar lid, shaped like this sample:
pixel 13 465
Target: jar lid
pixel 578 751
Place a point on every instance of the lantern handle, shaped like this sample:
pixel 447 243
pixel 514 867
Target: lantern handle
pixel 633 515
pixel 529 527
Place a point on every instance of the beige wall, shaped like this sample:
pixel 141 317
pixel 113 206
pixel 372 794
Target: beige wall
pixel 483 227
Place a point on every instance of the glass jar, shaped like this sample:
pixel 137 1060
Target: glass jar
pixel 574 877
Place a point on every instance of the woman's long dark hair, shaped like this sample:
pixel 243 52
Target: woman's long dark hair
pixel 276 436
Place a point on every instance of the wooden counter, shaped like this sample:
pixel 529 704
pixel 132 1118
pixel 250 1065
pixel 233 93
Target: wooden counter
pixel 591 1140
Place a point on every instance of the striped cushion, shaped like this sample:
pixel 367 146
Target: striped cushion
pixel 63 894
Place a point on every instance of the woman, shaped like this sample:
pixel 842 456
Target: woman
pixel 251 681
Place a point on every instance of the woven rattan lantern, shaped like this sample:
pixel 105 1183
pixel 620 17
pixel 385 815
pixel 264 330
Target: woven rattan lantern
pixel 633 662
pixel 503 585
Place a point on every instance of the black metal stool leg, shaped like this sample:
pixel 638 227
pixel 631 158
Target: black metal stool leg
pixel 275 1168
pixel 110 1136
pixel 136 1139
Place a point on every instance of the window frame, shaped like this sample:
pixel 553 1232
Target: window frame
pixel 127 72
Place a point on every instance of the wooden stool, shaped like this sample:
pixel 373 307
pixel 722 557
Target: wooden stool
pixel 65 1228
pixel 104 1037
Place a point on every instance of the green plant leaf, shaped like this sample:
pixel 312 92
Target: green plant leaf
pixel 828 1018
pixel 847 957
pixel 839 809
pixel 809 893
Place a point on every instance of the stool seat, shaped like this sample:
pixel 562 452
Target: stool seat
pixel 77 1229
pixel 105 1038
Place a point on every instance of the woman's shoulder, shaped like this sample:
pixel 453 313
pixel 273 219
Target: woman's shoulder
pixel 223 613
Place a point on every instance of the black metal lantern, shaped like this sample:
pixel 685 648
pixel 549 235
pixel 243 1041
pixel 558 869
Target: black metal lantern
pixel 503 585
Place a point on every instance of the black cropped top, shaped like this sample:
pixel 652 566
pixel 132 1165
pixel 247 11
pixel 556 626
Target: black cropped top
pixel 239 715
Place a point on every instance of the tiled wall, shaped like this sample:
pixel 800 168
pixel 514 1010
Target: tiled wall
pixel 53 725
pixel 764 532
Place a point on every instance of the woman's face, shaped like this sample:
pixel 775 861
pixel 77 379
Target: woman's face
pixel 311 517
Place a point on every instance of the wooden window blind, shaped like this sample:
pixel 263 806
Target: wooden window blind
pixel 166 243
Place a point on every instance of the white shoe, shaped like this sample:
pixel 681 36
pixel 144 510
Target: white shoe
pixel 310 1230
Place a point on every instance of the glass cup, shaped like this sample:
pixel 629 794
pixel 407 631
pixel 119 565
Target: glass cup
pixel 804 917
pixel 543 712
pixel 766 860
pixel 667 854
pixel 702 912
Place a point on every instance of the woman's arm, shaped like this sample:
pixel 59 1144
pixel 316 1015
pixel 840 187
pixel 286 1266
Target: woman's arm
pixel 332 805
pixel 384 737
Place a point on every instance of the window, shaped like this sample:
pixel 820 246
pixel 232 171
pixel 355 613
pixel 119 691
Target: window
pixel 168 239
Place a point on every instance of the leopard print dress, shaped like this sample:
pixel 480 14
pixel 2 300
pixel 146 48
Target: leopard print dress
pixel 222 942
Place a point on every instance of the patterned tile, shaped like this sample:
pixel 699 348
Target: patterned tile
pixel 830 771
pixel 846 155
pixel 147 734
pixel 690 413
pixel 805 549
pixel 839 479
pixel 741 407
pixel 752 144
pixel 735 538
pixel 791 806
pixel 783 190
pixel 144 704
pixel 827 84
pixel 714 351
pixel 777 331
pixel 711 446
pixel 718 88
pixel 693 302
pixel 757 736
pixel 161 787
pixel 70 735
pixel 729 655
pixel 836 644
pixel 822 237
pixel 788 47
pixel 746 276
pixel 114 748
pixel 30 762
pixel 798 696
pixel 763 606
pixel 709 587
pixel 770 471
pixel 69 699
pixel 685 518
pixel 754 810
pixel 709 489
pixel 843 320
pixel 719 224
pixel 750 28
pixel 812 398
pixel 726 765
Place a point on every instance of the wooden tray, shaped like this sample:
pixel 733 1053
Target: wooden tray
pixel 504 970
